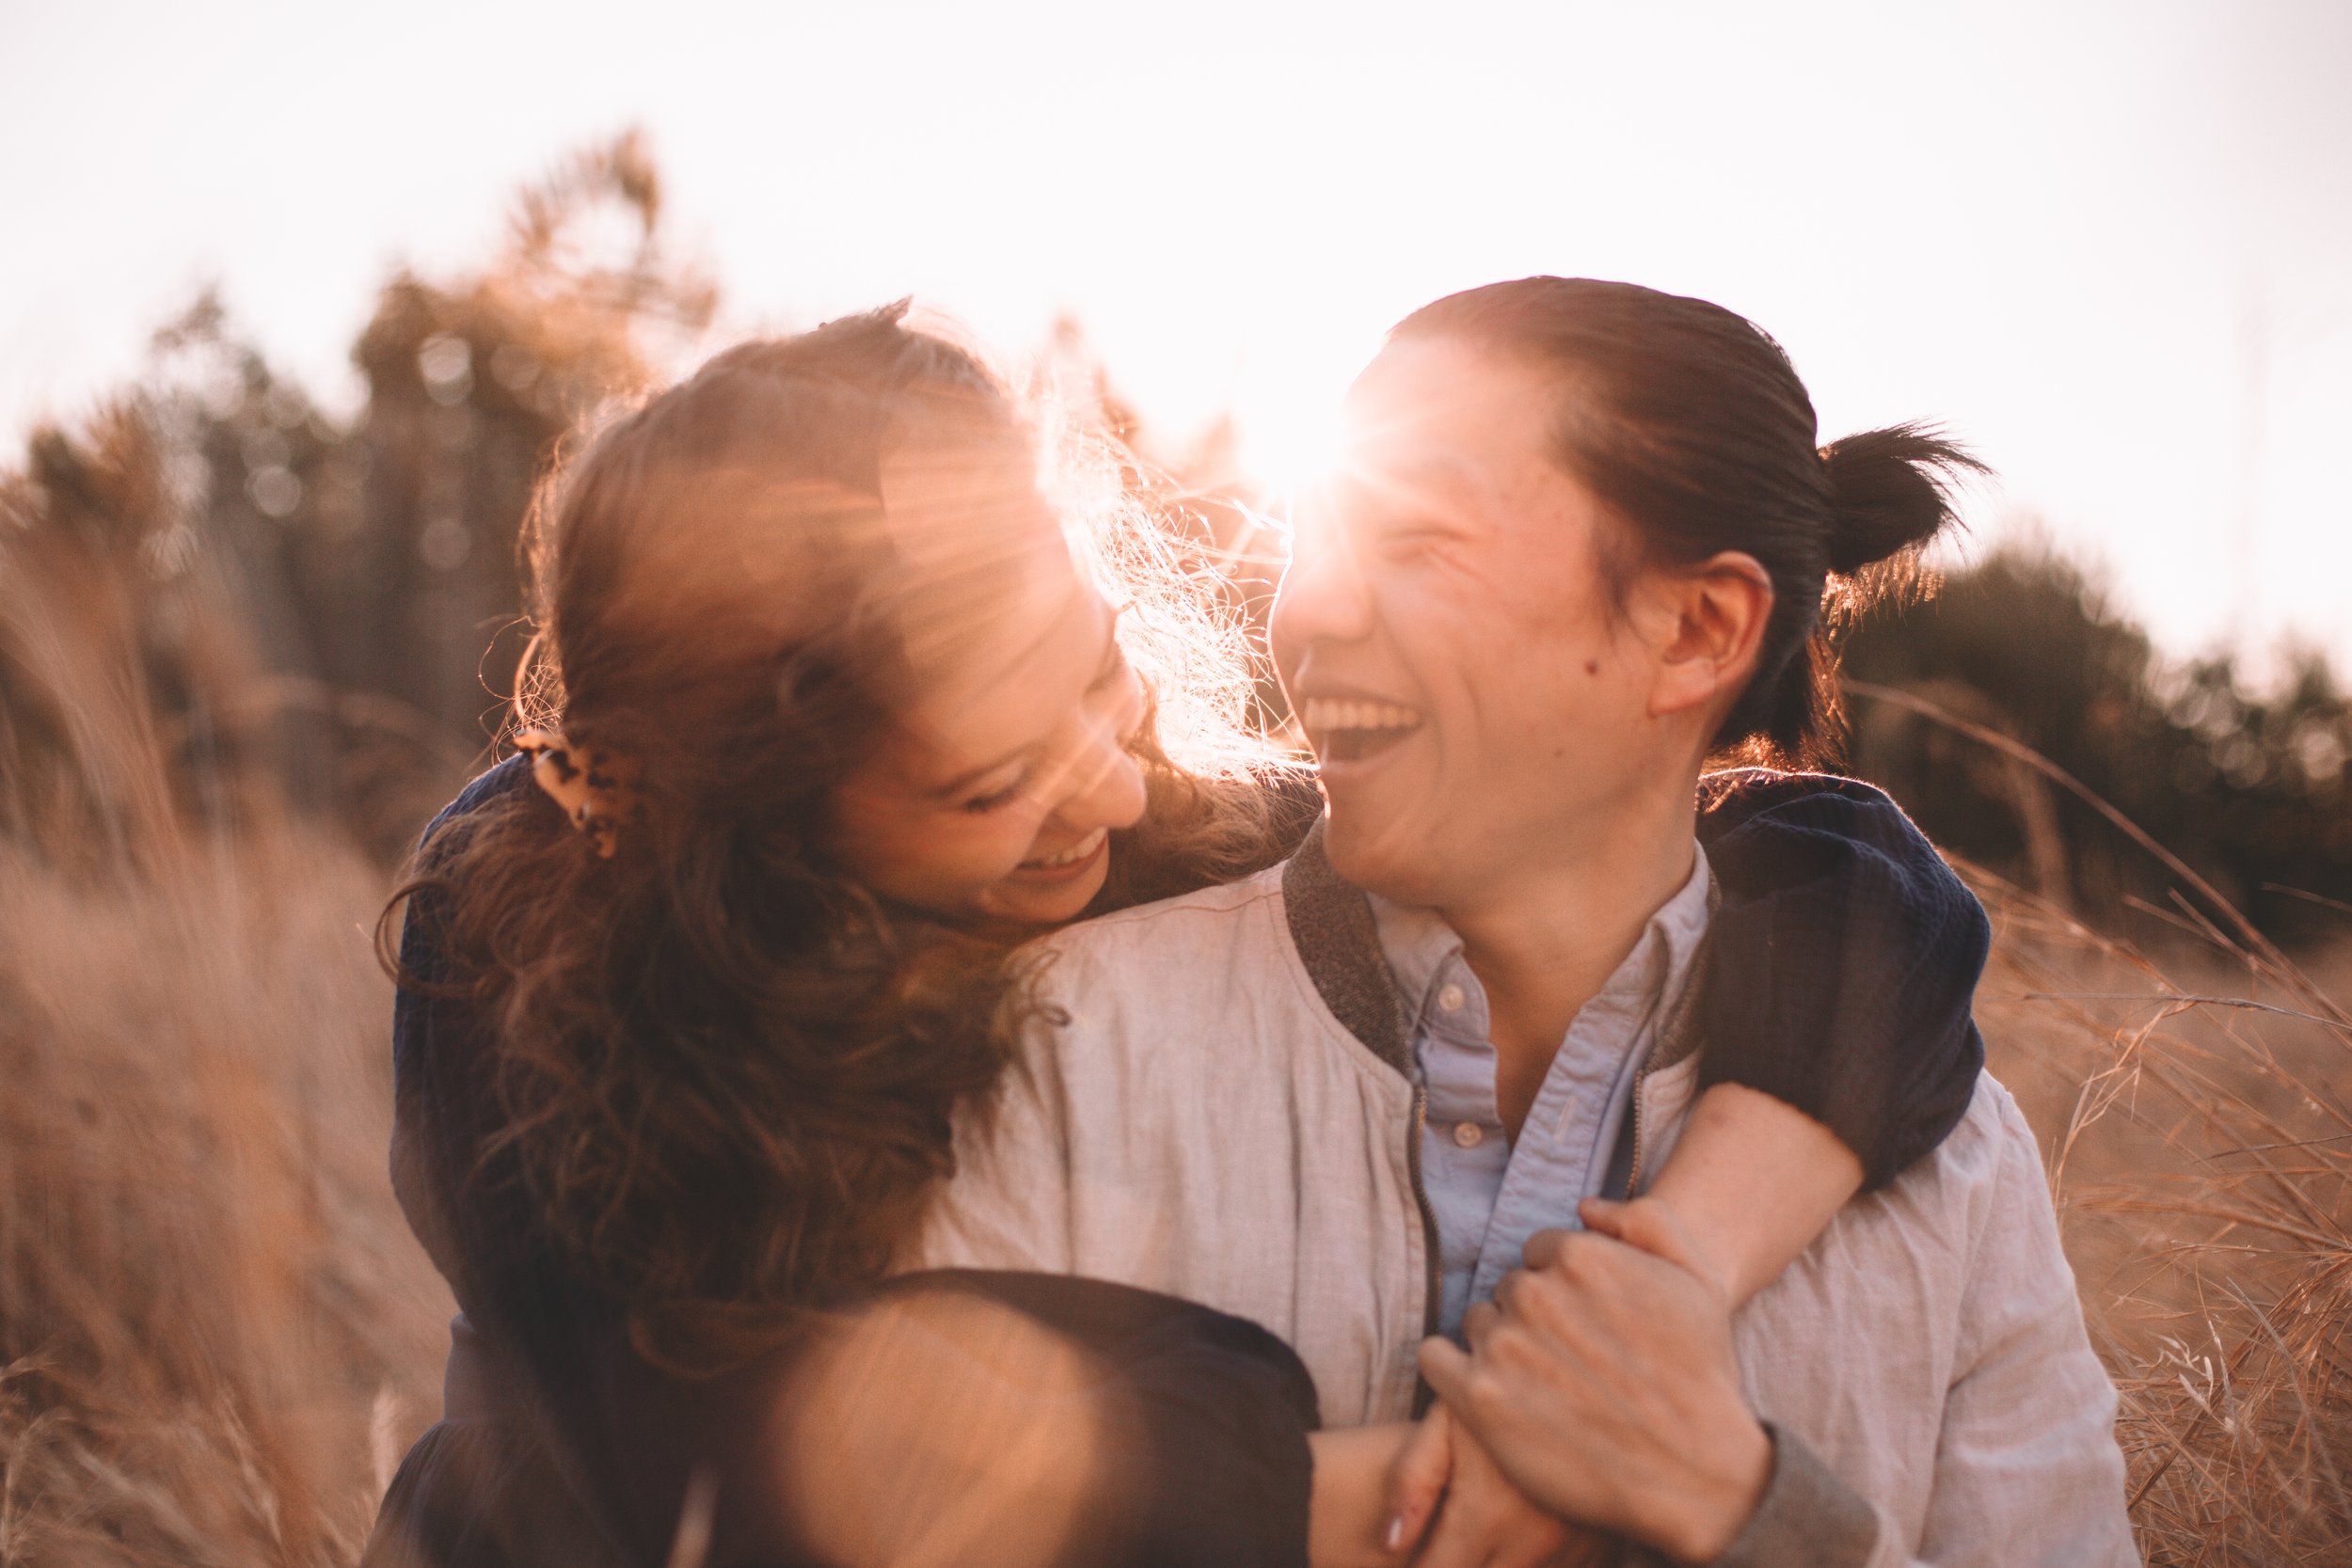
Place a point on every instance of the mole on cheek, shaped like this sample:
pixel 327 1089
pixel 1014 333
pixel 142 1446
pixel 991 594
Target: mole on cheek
pixel 1592 667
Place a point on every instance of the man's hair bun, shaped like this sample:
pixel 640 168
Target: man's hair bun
pixel 1890 492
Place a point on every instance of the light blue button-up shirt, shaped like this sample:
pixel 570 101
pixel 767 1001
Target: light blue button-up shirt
pixel 1490 1195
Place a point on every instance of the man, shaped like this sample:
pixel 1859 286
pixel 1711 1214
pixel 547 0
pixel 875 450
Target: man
pixel 1580 548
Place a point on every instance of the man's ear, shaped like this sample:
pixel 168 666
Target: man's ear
pixel 1711 629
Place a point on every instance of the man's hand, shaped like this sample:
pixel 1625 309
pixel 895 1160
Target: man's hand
pixel 1483 1521
pixel 1602 1381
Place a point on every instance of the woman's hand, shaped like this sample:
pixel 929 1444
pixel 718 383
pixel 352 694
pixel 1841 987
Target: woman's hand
pixel 1416 1482
pixel 1349 1512
pixel 1377 1488
pixel 1483 1521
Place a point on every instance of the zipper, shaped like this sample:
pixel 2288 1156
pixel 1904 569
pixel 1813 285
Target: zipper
pixel 1433 1282
pixel 1668 1031
pixel 1641 1120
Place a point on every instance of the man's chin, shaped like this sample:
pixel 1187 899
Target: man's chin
pixel 1378 857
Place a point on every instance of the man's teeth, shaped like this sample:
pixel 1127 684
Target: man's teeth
pixel 1071 856
pixel 1326 714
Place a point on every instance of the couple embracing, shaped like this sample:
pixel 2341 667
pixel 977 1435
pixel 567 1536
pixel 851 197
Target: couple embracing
pixel 1520 1138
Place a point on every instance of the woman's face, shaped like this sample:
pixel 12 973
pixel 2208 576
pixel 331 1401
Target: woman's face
pixel 993 795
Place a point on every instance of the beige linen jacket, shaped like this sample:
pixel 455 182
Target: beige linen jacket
pixel 1225 1111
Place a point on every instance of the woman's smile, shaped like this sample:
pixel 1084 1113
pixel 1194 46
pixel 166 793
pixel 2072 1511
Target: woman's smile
pixel 1066 865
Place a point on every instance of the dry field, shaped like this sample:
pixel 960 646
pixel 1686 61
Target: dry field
pixel 217 1335
pixel 2193 1116
pixel 216 1331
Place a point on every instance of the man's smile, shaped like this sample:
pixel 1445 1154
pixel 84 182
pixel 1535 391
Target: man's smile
pixel 1354 729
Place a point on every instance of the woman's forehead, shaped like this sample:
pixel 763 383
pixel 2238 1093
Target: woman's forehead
pixel 1011 674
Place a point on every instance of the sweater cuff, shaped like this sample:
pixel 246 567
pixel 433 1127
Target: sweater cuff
pixel 1808 1518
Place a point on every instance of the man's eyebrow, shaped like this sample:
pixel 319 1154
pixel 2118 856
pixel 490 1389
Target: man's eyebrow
pixel 1403 479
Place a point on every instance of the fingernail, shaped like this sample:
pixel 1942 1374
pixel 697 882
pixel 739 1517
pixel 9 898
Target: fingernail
pixel 1394 1536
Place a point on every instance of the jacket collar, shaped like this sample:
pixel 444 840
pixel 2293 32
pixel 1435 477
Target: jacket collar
pixel 1331 925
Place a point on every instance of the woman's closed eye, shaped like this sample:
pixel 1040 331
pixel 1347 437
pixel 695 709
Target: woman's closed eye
pixel 996 799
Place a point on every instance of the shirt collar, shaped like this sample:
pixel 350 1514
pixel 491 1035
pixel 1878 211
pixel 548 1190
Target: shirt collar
pixel 1424 952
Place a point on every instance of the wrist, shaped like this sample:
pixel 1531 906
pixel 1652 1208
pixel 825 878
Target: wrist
pixel 1348 1505
pixel 1704 1520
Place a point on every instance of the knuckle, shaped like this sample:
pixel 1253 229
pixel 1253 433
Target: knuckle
pixel 1517 1351
pixel 1546 1301
pixel 1484 1394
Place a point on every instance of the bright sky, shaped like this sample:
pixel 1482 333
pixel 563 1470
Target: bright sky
pixel 2109 244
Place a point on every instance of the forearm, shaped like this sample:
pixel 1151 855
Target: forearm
pixel 1754 1182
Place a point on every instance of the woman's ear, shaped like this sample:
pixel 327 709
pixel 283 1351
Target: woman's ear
pixel 1712 624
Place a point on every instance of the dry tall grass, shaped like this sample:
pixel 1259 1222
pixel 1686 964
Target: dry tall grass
pixel 2194 1115
pixel 216 1331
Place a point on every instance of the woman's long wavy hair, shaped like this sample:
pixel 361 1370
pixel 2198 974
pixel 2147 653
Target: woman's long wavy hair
pixel 722 1072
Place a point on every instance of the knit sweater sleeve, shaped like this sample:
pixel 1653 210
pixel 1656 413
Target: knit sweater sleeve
pixel 438 1057
pixel 1212 1467
pixel 1845 955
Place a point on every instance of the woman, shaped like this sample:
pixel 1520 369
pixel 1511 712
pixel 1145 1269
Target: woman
pixel 689 1001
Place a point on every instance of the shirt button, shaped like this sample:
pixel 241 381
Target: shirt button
pixel 1450 999
pixel 1468 1134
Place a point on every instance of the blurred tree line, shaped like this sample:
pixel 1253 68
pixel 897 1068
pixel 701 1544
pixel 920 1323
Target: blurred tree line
pixel 286 611
pixel 2249 788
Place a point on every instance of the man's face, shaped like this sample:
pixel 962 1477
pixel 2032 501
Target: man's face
pixel 1446 636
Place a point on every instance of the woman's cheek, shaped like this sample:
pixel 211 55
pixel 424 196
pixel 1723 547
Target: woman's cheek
pixel 992 848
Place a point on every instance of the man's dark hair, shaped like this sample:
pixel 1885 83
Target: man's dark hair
pixel 1691 425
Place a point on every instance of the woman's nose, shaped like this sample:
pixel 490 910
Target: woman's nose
pixel 1103 788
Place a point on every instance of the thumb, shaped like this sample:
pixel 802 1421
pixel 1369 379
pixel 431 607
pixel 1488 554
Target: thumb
pixel 1447 1366
pixel 1418 1482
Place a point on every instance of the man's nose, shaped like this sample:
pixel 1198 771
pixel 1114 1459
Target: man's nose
pixel 1323 597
